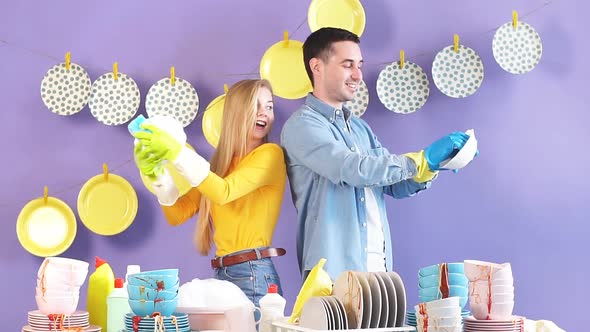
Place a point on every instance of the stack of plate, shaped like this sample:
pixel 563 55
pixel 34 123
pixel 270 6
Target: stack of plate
pixel 515 323
pixel 411 316
pixel 324 313
pixel 39 322
pixel 371 299
pixel 177 322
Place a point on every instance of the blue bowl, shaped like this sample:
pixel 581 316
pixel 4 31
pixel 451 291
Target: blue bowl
pixel 147 308
pixel 457 279
pixel 160 282
pixel 434 292
pixel 165 272
pixel 150 294
pixel 434 269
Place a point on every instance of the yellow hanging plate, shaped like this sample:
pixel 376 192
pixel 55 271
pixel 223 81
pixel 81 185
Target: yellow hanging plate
pixel 345 14
pixel 107 204
pixel 212 120
pixel 282 65
pixel 46 226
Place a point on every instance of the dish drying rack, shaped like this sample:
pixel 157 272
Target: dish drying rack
pixel 286 327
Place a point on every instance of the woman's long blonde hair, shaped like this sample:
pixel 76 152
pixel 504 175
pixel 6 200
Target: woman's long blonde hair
pixel 238 121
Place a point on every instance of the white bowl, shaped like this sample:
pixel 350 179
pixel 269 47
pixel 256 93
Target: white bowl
pixel 57 305
pixel 52 277
pixel 501 310
pixel 503 282
pixel 63 263
pixel 502 297
pixel 50 292
pixel 504 271
pixel 465 155
pixel 448 302
pixel 440 321
pixel 496 289
pixel 480 270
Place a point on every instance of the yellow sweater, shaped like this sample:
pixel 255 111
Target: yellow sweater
pixel 246 203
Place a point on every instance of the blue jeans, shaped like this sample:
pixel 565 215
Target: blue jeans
pixel 252 277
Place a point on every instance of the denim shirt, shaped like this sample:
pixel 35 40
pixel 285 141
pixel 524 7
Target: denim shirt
pixel 331 157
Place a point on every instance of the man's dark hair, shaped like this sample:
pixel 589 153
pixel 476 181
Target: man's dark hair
pixel 319 45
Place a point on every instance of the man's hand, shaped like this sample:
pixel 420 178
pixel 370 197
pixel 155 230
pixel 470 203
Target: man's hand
pixel 444 148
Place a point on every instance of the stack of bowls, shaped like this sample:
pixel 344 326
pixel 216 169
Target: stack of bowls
pixel 491 289
pixel 439 316
pixel 58 285
pixel 153 291
pixel 433 280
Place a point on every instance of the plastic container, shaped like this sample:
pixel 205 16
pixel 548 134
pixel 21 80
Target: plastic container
pixel 100 285
pixel 117 307
pixel 272 307
pixel 131 269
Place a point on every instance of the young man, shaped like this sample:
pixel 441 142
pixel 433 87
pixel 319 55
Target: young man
pixel 338 170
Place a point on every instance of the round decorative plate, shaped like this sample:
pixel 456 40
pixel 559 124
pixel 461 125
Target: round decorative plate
pixel 359 104
pixel 345 14
pixel 282 64
pixel 114 102
pixel 517 50
pixel 212 117
pixel 107 206
pixel 457 74
pixel 179 101
pixel 65 92
pixel 46 227
pixel 403 90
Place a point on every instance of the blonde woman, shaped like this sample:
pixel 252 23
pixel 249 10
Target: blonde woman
pixel 237 196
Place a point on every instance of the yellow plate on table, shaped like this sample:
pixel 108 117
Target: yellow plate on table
pixel 282 65
pixel 46 226
pixel 180 181
pixel 345 14
pixel 212 120
pixel 107 204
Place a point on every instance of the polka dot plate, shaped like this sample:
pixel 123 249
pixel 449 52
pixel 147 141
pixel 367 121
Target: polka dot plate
pixel 403 90
pixel 179 101
pixel 359 104
pixel 517 50
pixel 114 102
pixel 457 74
pixel 63 91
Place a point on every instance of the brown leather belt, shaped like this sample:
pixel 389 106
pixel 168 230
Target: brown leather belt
pixel 246 256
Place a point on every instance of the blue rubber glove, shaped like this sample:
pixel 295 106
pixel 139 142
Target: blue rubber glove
pixel 444 149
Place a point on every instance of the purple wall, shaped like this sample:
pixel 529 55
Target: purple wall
pixel 524 200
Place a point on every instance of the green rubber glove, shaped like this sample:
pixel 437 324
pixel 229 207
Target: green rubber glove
pixel 158 143
pixel 148 164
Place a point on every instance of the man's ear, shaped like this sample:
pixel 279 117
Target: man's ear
pixel 315 65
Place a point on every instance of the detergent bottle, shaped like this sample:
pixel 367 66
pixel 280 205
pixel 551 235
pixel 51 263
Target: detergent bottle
pixel 272 306
pixel 100 285
pixel 117 307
